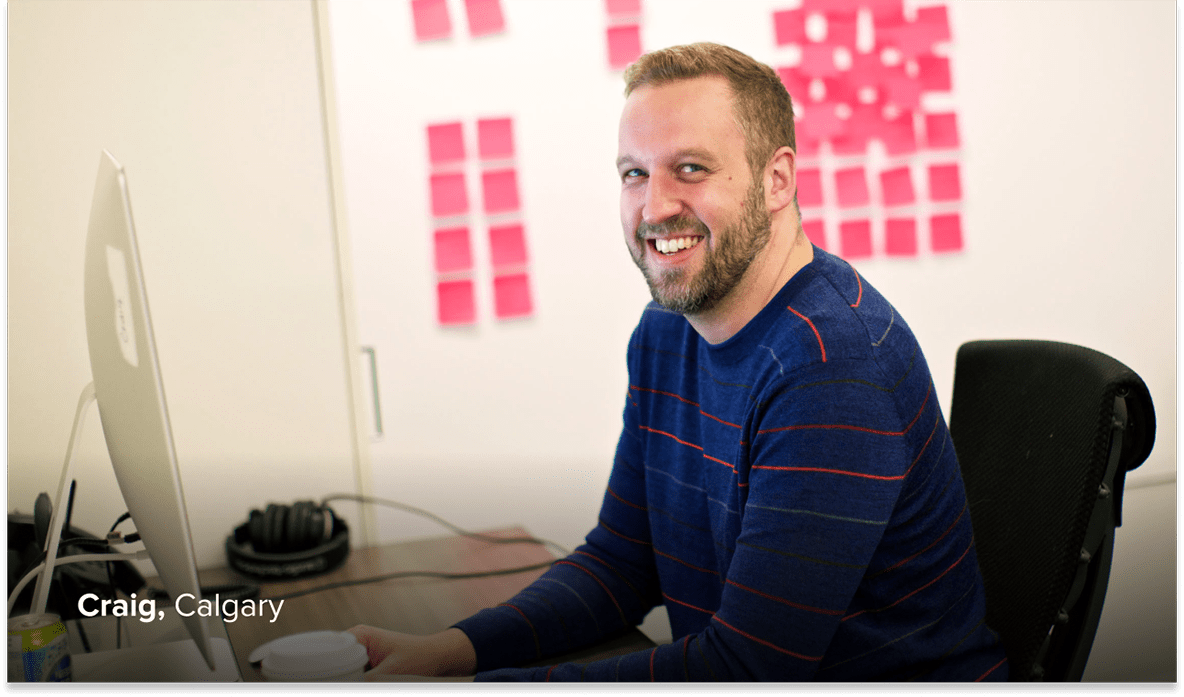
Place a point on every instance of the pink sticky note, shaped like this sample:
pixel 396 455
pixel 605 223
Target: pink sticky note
pixel 624 45
pixel 855 239
pixel 899 135
pixel 807 146
pixel 945 232
pixel 829 5
pixel 900 237
pixel 819 121
pixel 431 19
pixel 511 295
pixel 910 38
pixel 452 250
pixel 446 142
pixel 507 245
pixel 500 190
pixel 495 138
pixel 885 9
pixel 936 20
pixel 839 89
pixel 933 72
pixel 622 7
pixel 851 184
pixel 850 144
pixel 818 60
pixel 941 131
pixel 809 187
pixel 454 302
pixel 485 17
pixel 789 27
pixel 902 90
pixel 448 194
pixel 815 232
pixel 840 28
pixel 897 186
pixel 944 183
pixel 796 83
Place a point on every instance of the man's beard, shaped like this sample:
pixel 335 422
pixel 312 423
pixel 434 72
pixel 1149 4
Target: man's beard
pixel 724 264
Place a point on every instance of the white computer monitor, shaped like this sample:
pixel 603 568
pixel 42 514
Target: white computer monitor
pixel 130 393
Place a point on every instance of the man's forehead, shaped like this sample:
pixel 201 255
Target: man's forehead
pixel 686 114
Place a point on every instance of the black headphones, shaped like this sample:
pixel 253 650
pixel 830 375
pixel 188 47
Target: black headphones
pixel 281 541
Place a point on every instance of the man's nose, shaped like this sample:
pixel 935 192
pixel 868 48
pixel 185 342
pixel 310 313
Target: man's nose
pixel 662 201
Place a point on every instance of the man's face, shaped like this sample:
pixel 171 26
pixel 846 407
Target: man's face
pixel 694 217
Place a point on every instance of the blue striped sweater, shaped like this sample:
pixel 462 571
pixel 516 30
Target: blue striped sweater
pixel 791 495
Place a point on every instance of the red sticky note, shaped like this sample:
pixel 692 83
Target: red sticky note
pixel 500 190
pixel 495 138
pixel 446 142
pixel 454 302
pixel 829 5
pixel 910 38
pixel 855 239
pixel 941 131
pixel 448 194
pixel 624 45
pixel 818 60
pixel 945 232
pixel 900 237
pixel 452 250
pixel 840 28
pixel 936 20
pixel 431 19
pixel 809 187
pixel 899 135
pixel 944 183
pixel 815 232
pixel 933 72
pixel 796 83
pixel 851 185
pixel 789 27
pixel 622 7
pixel 507 245
pixel 511 295
pixel 807 146
pixel 485 17
pixel 897 186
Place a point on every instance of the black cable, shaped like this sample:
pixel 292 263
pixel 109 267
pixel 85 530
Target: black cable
pixel 437 519
pixel 414 574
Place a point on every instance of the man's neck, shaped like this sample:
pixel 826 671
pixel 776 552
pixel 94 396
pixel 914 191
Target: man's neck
pixel 787 252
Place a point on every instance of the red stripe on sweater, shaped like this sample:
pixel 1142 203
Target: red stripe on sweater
pixel 790 603
pixel 812 328
pixel 992 670
pixel 670 435
pixel 909 595
pixel 856 428
pixel 598 581
pixel 693 607
pixel 689 566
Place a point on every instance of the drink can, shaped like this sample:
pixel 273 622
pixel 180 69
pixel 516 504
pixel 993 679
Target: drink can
pixel 38 649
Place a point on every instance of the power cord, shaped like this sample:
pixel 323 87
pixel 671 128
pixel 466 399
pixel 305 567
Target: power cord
pixel 375 500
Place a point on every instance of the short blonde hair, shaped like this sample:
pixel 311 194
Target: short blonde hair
pixel 762 107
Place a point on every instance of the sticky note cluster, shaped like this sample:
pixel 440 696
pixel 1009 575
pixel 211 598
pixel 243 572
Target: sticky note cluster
pixel 449 161
pixel 623 35
pixel 432 21
pixel 864 72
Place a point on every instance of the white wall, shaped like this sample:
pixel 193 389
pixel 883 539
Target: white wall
pixel 214 109
pixel 1068 125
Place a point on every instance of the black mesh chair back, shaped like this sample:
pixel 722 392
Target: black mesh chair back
pixel 1045 433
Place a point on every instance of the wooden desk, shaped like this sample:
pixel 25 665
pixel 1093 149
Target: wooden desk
pixel 417 605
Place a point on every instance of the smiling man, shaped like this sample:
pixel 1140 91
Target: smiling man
pixel 784 482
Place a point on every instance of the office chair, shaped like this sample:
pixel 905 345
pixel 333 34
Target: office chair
pixel 1045 433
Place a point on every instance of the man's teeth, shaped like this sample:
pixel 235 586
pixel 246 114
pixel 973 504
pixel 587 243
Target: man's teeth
pixel 674 245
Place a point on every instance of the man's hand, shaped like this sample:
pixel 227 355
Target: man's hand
pixel 446 654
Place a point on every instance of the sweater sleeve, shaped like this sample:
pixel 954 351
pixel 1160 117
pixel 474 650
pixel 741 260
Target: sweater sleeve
pixel 817 505
pixel 606 586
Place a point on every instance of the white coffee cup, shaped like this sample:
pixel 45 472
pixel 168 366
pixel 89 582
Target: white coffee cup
pixel 315 657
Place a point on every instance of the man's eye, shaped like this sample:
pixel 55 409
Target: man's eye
pixel 632 173
pixel 690 168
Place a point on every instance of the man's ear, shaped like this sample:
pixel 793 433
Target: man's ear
pixel 781 179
